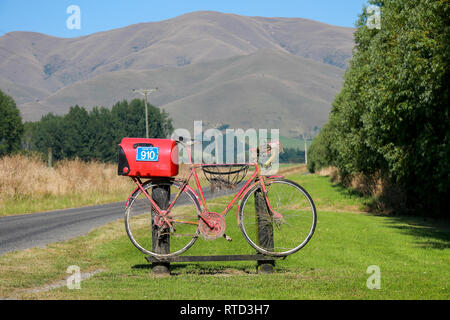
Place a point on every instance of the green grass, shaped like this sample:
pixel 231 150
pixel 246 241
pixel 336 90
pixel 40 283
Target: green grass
pixel 412 254
pixel 295 143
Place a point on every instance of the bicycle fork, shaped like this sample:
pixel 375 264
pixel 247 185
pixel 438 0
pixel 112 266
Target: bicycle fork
pixel 161 213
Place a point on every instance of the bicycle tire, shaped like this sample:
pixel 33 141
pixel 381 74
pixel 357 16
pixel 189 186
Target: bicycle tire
pixel 140 216
pixel 298 211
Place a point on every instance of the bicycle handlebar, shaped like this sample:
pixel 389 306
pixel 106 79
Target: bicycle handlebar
pixel 275 148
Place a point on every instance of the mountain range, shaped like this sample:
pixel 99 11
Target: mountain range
pixel 222 68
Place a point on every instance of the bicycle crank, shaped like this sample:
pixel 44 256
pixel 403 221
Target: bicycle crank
pixel 212 226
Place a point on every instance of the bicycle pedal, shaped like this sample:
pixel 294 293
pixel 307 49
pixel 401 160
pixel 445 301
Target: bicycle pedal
pixel 227 238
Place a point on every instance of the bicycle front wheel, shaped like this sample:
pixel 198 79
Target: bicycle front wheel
pixel 282 225
pixel 150 233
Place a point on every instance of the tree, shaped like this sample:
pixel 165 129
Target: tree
pixel 76 132
pixel 320 151
pixel 392 114
pixel 48 133
pixel 102 139
pixel 129 120
pixel 95 134
pixel 11 127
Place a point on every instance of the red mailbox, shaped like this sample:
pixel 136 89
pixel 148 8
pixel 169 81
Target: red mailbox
pixel 140 157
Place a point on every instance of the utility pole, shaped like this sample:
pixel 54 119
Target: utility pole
pixel 145 92
pixel 303 136
pixel 306 150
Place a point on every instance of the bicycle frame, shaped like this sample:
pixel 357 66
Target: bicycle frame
pixel 255 179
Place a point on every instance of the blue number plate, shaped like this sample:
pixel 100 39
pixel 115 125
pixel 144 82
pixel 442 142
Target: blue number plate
pixel 147 154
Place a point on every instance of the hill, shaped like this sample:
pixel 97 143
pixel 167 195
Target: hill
pixel 266 89
pixel 39 71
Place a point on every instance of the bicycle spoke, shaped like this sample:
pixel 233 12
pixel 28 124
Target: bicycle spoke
pixel 146 227
pixel 185 235
pixel 289 232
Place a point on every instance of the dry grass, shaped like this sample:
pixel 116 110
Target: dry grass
pixel 331 172
pixel 364 185
pixel 386 196
pixel 28 185
pixel 25 178
pixel 292 169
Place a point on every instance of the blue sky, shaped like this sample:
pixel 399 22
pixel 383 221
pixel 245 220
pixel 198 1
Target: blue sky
pixel 50 16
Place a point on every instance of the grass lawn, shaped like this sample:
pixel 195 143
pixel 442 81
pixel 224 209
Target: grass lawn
pixel 296 143
pixel 412 255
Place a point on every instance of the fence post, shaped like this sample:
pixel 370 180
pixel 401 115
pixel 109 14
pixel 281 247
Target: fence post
pixel 160 243
pixel 265 230
pixel 50 157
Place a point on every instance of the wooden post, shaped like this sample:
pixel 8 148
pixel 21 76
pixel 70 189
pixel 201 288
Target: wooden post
pixel 265 230
pixel 160 242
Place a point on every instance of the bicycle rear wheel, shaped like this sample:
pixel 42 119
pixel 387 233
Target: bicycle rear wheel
pixel 146 229
pixel 278 236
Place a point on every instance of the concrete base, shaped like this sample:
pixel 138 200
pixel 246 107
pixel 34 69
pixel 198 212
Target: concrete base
pixel 265 267
pixel 161 268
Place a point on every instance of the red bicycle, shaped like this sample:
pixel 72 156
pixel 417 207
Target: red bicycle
pixel 288 215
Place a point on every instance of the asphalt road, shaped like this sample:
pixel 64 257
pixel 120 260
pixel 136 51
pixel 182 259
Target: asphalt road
pixel 38 229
